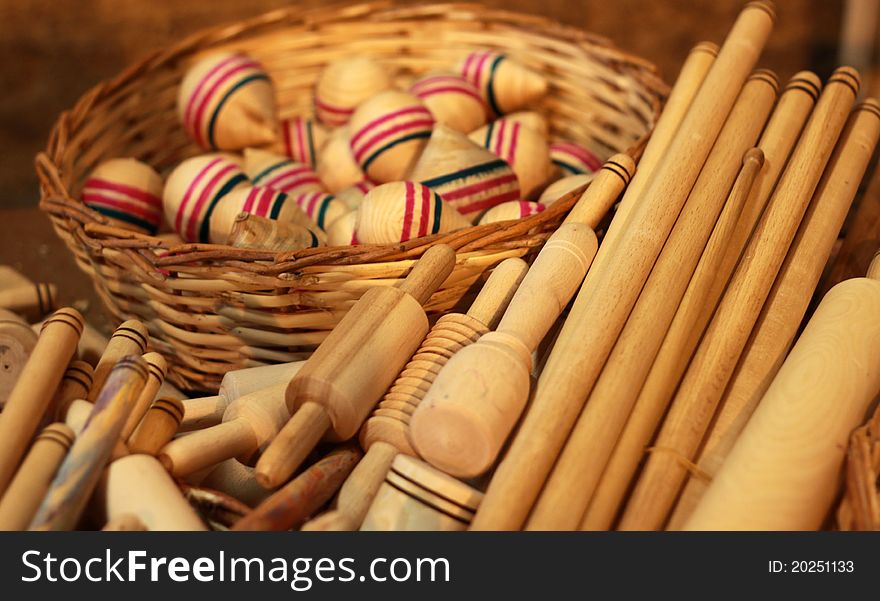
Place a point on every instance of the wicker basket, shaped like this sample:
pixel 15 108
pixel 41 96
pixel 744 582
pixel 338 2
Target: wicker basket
pixel 213 308
pixel 860 506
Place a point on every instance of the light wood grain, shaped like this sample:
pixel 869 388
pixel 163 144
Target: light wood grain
pixel 130 338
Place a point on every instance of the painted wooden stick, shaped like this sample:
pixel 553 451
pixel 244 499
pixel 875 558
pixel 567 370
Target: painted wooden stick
pixel 156 370
pixel 32 395
pixel 17 341
pixel 784 309
pixel 74 385
pixel 348 373
pixel 32 301
pixel 27 489
pixel 160 424
pixel 710 369
pixel 783 472
pixel 613 285
pixel 79 473
pixel 580 465
pixel 130 338
pixel 138 485
pixel 713 271
pixel 292 505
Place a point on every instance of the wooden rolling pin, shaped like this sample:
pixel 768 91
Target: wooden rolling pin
pixel 783 472
pixel 612 287
pixel 346 376
pixel 159 425
pixel 82 467
pixel 156 370
pixel 32 395
pixel 74 385
pixel 208 411
pixel 27 489
pixel 11 278
pixel 710 369
pixel 579 467
pixel 17 340
pixel 789 298
pixel 710 278
pixel 31 301
pixel 130 338
pixel 292 504
pixel 384 434
pixel 237 480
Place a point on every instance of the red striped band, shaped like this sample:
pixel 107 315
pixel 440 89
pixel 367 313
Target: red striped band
pixel 207 192
pixel 382 136
pixel 194 184
pixel 96 198
pixel 130 191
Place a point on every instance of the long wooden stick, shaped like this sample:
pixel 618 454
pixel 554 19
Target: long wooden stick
pixel 719 259
pixel 697 398
pixel 612 286
pixel 787 302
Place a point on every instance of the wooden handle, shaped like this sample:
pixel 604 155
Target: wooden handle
pixel 204 412
pixel 604 190
pixel 17 341
pixel 240 382
pixel 429 273
pixel 32 395
pixel 292 445
pixel 497 292
pixel 156 369
pixel 130 338
pixel 360 488
pixel 202 449
pixel 33 301
pixel 74 385
pixel 158 427
pixel 81 469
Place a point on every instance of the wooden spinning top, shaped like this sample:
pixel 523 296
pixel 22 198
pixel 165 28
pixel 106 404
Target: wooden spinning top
pixel 573 159
pixel 17 340
pixel 257 200
pixel 388 132
pixel 322 208
pixel 563 186
pixel 515 209
pixel 531 119
pixel 344 84
pixel 193 191
pixel 401 211
pixel 467 176
pixel 342 231
pixel 301 139
pixel 268 169
pixel 253 231
pixel 354 195
pixel 505 84
pixel 524 149
pixel 336 165
pixel 226 101
pixel 453 101
pixel 127 192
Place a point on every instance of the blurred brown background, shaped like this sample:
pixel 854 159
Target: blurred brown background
pixel 55 50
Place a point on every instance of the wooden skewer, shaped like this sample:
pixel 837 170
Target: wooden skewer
pixel 783 472
pixel 157 367
pixel 79 473
pixel 32 301
pixel 17 340
pixel 74 385
pixel 32 395
pixel 713 271
pixel 710 370
pixel 613 285
pixel 158 427
pixel 26 491
pixel 304 495
pixel 787 302
pixel 579 467
pixel 130 338
pixel 347 375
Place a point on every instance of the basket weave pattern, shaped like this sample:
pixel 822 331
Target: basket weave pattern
pixel 213 308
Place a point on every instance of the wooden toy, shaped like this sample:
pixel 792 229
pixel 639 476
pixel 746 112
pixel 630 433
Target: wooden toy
pixel 36 385
pixel 361 357
pixel 82 467
pixel 787 302
pixel 453 101
pixel 342 231
pixel 26 491
pixel 515 209
pixel 130 338
pixel 571 483
pixel 382 436
pixel 226 101
pixel 336 165
pixel 236 480
pixel 125 523
pixel 159 425
pixel 401 211
pixel 783 472
pixel 264 203
pixel 354 195
pixel 301 139
pixel 127 192
pixel 138 485
pixel 269 170
pixel 563 186
pixel 294 503
pixel 75 384
pixel 525 150
pixel 208 411
pixel 76 418
pixel 193 191
pixel 10 278
pixel 613 285
pixel 388 132
pixel 531 119
pixel 253 231
pixel 573 159
pixel 157 367
pixel 417 497
pixel 31 301
pixel 346 83
pixel 713 363
pixel 465 175
pixel 322 208
pixel 708 283
pixel 505 84
pixel 17 341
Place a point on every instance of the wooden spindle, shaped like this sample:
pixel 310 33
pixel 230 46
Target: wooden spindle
pixel 157 367
pixel 159 425
pixel 31 301
pixel 130 338
pixel 75 384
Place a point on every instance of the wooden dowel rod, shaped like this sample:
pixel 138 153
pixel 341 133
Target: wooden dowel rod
pixel 156 369
pixel 157 428
pixel 74 385
pixel 130 338
pixel 612 286
pixel 17 340
pixel 32 301
pixel 695 402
